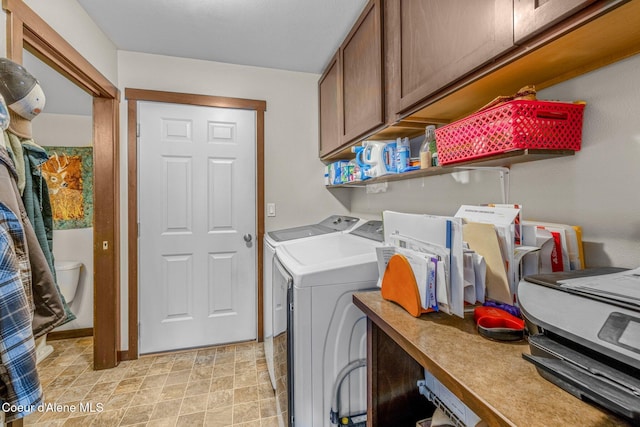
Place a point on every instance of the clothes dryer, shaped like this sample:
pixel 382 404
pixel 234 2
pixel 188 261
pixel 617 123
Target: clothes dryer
pixel 325 332
pixel 273 239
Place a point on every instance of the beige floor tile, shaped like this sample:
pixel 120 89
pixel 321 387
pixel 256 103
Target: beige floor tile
pixel 74 370
pixel 118 401
pixel 265 390
pixel 201 373
pixel 181 365
pixel 219 399
pixel 74 394
pixel 163 422
pixel 254 423
pixel 167 409
pixel 147 396
pixel 137 371
pixel 128 385
pixel 193 404
pixel 89 377
pixel 62 382
pixel 246 379
pixel 191 420
pixel 223 358
pixel 245 356
pixel 137 415
pixel 244 365
pixel 108 418
pixel 53 415
pixel 223 370
pixel 246 412
pixel 173 391
pixel 268 408
pixel 160 368
pixel 178 377
pixel 100 390
pixel 219 417
pixel 82 421
pixel 269 422
pixel 263 377
pixel 226 349
pixel 114 374
pixel 245 395
pixel 217 386
pixel 154 381
pixel 197 387
pixel 222 383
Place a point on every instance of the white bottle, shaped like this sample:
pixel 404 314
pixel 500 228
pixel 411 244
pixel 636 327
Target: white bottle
pixel 425 151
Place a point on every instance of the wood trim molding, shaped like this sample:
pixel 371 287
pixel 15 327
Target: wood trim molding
pixel 125 355
pixel 106 186
pixel 25 29
pixel 72 333
pixel 132 220
pixel 60 54
pixel 133 96
pixel 194 99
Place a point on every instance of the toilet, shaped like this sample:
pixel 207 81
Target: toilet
pixel 68 277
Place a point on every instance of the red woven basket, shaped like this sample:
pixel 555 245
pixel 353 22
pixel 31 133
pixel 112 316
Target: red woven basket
pixel 514 125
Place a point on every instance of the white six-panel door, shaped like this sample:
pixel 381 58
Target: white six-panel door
pixel 197 272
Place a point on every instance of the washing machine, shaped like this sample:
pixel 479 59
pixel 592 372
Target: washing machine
pixel 325 332
pixel 273 239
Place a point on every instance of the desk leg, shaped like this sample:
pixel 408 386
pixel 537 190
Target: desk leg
pixel 393 396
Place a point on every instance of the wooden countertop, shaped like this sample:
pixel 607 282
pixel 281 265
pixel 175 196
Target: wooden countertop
pixel 491 377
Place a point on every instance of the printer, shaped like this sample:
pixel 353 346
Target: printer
pixel 585 334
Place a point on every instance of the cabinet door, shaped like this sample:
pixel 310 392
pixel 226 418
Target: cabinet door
pixel 433 43
pixel 533 16
pixel 362 71
pixel 329 98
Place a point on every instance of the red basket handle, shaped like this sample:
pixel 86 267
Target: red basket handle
pixel 554 115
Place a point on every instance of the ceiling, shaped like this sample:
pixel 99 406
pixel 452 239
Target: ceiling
pixel 296 35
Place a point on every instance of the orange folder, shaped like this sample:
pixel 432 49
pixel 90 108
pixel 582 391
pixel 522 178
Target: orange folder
pixel 399 285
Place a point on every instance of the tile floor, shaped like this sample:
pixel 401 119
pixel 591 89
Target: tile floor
pixel 217 386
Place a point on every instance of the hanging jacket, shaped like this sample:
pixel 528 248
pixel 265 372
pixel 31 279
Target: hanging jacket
pixel 13 145
pixel 19 382
pixel 38 206
pixel 48 308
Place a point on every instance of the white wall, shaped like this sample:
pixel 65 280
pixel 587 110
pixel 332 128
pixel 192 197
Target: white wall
pixel 71 21
pixel 597 188
pixel 293 172
pixel 77 244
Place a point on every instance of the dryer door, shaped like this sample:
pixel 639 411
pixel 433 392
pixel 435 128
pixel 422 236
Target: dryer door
pixel 282 288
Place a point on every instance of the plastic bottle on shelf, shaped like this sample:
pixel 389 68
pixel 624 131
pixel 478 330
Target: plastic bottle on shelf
pixel 402 155
pixel 425 148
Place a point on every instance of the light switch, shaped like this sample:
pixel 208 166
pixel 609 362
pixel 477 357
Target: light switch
pixel 271 209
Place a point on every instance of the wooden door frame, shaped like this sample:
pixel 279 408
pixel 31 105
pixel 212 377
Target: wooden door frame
pixel 133 96
pixel 25 29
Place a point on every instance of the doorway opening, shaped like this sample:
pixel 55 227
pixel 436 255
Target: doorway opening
pixel 25 29
pixel 133 96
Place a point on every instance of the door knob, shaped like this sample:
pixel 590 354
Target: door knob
pixel 247 238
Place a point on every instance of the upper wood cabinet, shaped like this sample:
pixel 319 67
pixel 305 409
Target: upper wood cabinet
pixel 351 89
pixel 532 16
pixel 441 60
pixel 328 92
pixel 432 43
pixel 362 68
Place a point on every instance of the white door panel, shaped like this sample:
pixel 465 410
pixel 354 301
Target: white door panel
pixel 196 203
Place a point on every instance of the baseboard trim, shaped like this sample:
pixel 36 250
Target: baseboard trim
pixel 72 333
pixel 124 355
